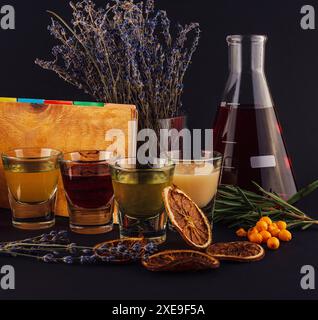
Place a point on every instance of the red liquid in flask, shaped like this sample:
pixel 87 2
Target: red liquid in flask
pixel 254 150
pixel 246 129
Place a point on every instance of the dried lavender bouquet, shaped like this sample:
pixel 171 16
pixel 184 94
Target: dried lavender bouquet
pixel 125 52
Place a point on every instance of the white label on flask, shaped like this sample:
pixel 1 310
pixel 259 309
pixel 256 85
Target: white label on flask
pixel 263 162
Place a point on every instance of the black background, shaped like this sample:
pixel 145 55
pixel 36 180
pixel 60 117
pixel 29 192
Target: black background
pixel 291 64
pixel 291 68
pixel 277 276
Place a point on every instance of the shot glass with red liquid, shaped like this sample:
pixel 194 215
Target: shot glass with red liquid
pixel 89 191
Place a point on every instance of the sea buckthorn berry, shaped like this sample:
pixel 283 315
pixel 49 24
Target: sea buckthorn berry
pixel 285 235
pixel 273 243
pixel 273 230
pixel 255 238
pixel 267 220
pixel 282 225
pixel 252 230
pixel 241 233
pixel 261 225
pixel 266 235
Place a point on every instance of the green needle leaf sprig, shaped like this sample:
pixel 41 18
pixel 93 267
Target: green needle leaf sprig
pixel 240 208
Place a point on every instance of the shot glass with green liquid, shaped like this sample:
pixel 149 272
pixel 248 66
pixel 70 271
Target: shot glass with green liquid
pixel 138 192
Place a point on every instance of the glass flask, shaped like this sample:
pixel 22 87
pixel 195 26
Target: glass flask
pixel 246 128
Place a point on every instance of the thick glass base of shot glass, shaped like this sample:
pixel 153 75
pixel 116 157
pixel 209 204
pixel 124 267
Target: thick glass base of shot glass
pixel 91 221
pixel 35 216
pixel 152 228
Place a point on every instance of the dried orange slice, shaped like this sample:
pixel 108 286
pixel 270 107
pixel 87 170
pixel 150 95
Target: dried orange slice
pixel 242 251
pixel 188 219
pixel 120 251
pixel 180 260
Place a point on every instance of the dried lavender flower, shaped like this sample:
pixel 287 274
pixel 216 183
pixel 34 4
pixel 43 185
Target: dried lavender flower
pixel 70 253
pixel 150 248
pixel 125 52
pixel 68 260
pixel 49 258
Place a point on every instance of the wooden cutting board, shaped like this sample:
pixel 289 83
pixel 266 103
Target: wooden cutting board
pixel 63 127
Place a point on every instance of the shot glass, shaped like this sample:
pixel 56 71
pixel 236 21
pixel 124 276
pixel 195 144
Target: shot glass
pixel 138 192
pixel 198 177
pixel 89 191
pixel 32 176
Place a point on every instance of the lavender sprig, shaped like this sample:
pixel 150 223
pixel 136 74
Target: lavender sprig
pixel 55 247
pixel 125 52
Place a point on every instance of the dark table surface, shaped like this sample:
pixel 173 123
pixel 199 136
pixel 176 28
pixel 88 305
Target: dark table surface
pixel 277 276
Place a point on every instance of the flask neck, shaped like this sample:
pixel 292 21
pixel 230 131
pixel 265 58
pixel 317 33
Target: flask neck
pixel 247 83
pixel 246 53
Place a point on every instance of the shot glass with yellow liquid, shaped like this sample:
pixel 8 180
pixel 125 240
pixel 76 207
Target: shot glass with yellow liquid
pixel 138 192
pixel 32 176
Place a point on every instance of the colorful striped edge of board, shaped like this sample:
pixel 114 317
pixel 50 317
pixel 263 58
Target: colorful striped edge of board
pixel 58 102
pixel 68 103
pixel 3 99
pixel 33 101
pixel 88 104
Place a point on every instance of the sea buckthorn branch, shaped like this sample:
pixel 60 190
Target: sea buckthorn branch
pixel 236 207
